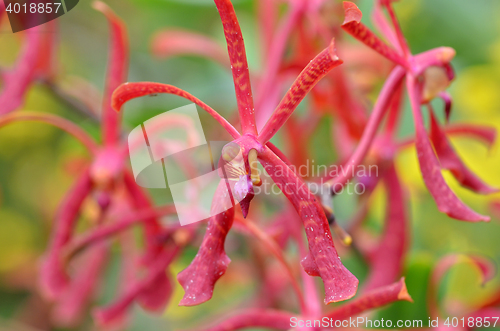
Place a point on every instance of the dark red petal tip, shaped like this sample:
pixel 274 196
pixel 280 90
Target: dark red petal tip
pixel 199 278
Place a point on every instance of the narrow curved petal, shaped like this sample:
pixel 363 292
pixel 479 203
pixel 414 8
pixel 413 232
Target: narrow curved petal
pixel 401 43
pixel 395 110
pixel 53 277
pixel 116 73
pixel 56 121
pixel 239 65
pixel 388 259
pixel 274 57
pixel 383 25
pixel 307 79
pixel 17 80
pixel 141 200
pixel 276 250
pixel 170 43
pixel 379 110
pixel 376 298
pixel 486 134
pixel 155 296
pixel 449 160
pixel 114 314
pixel 484 265
pixel 322 259
pixel 211 261
pixel 69 309
pixel 255 318
pixel 446 200
pixel 114 227
pixel 128 91
pixel 352 25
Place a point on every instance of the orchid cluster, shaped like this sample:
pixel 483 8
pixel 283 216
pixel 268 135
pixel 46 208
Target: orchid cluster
pixel 307 44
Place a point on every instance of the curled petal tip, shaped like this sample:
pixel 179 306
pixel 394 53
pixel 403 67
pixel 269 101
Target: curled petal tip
pixel 403 293
pixel 352 13
pixel 116 100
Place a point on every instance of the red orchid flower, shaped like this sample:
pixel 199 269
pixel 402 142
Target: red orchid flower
pixel 427 76
pixel 211 261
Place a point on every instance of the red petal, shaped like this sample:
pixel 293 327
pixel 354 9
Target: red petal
pixel 239 65
pixel 199 278
pixel 402 44
pixel 395 110
pixel 449 160
pixel 17 80
pixel 255 318
pixel 446 200
pixel 278 42
pixel 115 313
pixel 379 110
pixel 69 309
pixel 483 264
pixel 130 91
pixel 383 25
pixel 170 43
pixel 323 259
pixel 115 226
pixel 340 96
pixel 387 262
pixel 376 298
pixel 53 278
pixel 117 71
pixel 141 200
pixel 271 245
pixel 485 133
pixel 352 25
pixel 308 78
pixel 56 121
pixel 155 296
